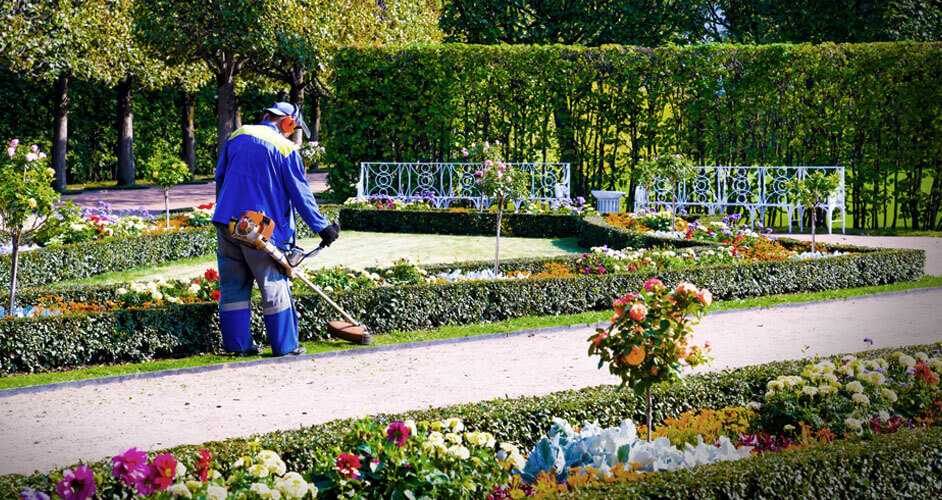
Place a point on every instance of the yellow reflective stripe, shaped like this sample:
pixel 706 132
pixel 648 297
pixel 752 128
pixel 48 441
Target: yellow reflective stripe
pixel 267 134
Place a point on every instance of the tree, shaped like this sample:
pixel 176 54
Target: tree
pixel 56 41
pixel 308 32
pixel 811 191
pixel 167 171
pixel 674 169
pixel 498 181
pixel 26 200
pixel 227 35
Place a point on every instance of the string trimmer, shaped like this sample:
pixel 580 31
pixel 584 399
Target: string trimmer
pixel 254 229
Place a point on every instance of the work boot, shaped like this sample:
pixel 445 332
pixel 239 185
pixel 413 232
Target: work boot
pixel 252 351
pixel 297 352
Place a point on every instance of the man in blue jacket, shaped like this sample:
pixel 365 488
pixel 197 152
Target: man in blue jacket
pixel 260 169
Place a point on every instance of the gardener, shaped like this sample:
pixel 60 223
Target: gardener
pixel 260 169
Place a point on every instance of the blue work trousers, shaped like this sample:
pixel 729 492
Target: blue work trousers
pixel 239 267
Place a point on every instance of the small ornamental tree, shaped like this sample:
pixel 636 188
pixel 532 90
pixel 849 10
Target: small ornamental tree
pixel 26 200
pixel 813 190
pixel 676 169
pixel 167 171
pixel 647 340
pixel 497 181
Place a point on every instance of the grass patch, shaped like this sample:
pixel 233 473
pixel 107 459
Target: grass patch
pixel 446 332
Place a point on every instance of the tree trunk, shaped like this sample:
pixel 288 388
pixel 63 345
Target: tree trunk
pixel 225 107
pixel 649 413
pixel 167 207
pixel 188 136
pixel 500 214
pixel 14 261
pixel 814 220
pixel 125 146
pixel 60 133
pixel 297 97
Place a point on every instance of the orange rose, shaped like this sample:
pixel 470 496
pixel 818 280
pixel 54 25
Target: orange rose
pixel 638 312
pixel 636 356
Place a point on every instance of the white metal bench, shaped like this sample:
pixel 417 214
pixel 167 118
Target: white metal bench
pixel 754 189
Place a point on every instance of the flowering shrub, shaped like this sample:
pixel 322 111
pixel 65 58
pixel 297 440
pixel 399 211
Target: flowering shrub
pixel 647 341
pixel 854 397
pixel 200 216
pixel 340 278
pixel 604 260
pixel 707 425
pixel 312 152
pixel 383 202
pixel 263 475
pixel 410 460
pixel 159 291
pixel 576 206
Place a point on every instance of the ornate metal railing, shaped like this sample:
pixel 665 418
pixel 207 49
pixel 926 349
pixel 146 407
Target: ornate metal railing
pixel 717 189
pixel 443 183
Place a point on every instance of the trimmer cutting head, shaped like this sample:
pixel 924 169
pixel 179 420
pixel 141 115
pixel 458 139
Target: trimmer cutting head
pixel 351 332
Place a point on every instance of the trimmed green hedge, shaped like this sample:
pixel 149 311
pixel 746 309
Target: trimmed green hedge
pixel 460 223
pixel 44 266
pixel 521 420
pixel 182 330
pixel 905 464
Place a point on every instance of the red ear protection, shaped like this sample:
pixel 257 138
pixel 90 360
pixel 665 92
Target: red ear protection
pixel 287 125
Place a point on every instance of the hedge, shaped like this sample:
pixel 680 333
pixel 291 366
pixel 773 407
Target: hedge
pixel 45 266
pixel 182 330
pixel 869 107
pixel 905 464
pixel 521 420
pixel 461 223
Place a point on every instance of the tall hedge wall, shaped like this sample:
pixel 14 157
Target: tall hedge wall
pixel 871 107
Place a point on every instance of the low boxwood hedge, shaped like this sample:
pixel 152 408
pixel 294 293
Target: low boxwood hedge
pixel 906 464
pixel 183 330
pixel 46 266
pixel 471 222
pixel 522 420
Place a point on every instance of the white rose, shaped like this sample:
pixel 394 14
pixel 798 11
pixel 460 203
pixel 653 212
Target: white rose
pixel 121 291
pixel 292 485
pixel 459 452
pixel 214 492
pixel 259 470
pixel 264 491
pixel 809 391
pixel 860 399
pixel 179 490
pixel 453 438
pixel 907 361
pixel 853 424
pixel 854 387
pixel 889 395
pixel 180 472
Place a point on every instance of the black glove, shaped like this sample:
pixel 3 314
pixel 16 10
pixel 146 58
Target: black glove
pixel 329 234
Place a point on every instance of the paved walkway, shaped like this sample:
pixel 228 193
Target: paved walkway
pixel 49 429
pixel 932 246
pixel 184 196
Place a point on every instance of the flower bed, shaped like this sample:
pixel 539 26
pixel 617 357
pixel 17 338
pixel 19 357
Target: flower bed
pixel 524 420
pixel 136 334
pixel 70 261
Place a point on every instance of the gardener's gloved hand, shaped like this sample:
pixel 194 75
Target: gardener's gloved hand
pixel 329 234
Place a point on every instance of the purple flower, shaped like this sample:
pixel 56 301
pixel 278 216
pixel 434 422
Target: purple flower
pixel 31 494
pixel 580 201
pixel 868 340
pixel 130 467
pixel 398 432
pixel 478 174
pixel 77 484
pixel 14 143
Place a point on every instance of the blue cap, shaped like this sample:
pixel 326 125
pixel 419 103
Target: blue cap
pixel 288 109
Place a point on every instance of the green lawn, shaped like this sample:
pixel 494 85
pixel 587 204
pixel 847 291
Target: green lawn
pixel 445 332
pixel 359 249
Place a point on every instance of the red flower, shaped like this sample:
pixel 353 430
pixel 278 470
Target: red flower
pixel 398 432
pixel 348 465
pixel 204 463
pixel 924 373
pixel 211 275
pixel 599 338
pixel 162 471
pixel 652 284
pixel 216 295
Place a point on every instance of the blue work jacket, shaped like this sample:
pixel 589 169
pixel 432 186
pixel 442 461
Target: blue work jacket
pixel 259 169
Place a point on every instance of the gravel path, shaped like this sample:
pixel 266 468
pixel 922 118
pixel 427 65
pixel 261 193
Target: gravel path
pixel 48 429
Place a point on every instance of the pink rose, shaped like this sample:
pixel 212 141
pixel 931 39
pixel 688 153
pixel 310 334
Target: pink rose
pixel 638 312
pixel 686 289
pixel 652 284
pixel 705 297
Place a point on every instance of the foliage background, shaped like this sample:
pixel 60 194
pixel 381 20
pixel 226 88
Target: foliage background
pixel 873 108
